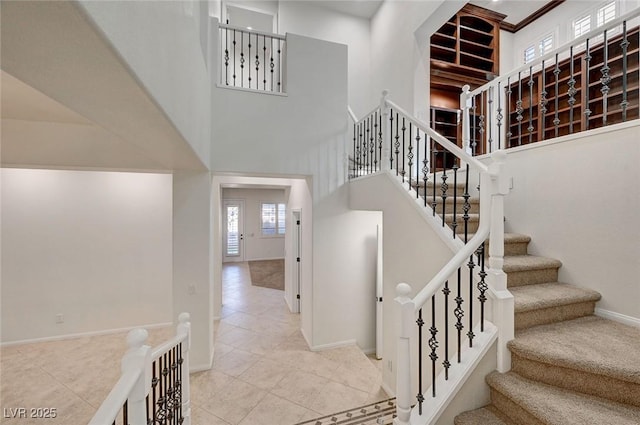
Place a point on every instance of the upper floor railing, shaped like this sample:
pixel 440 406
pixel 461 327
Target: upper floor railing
pixel 154 385
pixel 251 60
pixel 588 83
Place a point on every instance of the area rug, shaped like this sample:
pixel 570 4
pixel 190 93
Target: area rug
pixel 267 273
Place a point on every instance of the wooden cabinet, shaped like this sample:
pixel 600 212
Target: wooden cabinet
pixel 568 97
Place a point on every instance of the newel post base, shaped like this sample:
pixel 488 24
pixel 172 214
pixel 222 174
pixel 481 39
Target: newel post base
pixel 406 318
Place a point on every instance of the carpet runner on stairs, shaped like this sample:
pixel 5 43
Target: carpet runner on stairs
pixel 568 366
pixel 380 413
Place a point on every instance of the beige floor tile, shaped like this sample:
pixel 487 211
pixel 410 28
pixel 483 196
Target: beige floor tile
pixel 274 410
pixel 234 401
pixel 202 417
pixel 235 362
pixel 336 397
pixel 265 374
pixel 300 387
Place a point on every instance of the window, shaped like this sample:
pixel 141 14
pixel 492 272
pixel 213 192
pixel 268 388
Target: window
pixel 529 54
pixel 545 45
pixel 606 13
pixel 597 18
pixel 273 219
pixel 581 26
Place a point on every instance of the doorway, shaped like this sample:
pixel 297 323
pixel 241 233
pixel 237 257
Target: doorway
pixel 233 227
pixel 297 250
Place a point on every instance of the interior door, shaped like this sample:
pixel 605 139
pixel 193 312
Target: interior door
pixel 233 241
pixel 297 234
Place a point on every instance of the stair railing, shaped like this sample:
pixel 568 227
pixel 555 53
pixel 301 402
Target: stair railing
pixel 390 139
pixel 154 384
pixel 588 83
pixel 251 60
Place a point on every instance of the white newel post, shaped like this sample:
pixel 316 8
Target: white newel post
pixel 184 328
pixel 386 148
pixel 465 105
pixel 138 356
pixel 503 304
pixel 406 320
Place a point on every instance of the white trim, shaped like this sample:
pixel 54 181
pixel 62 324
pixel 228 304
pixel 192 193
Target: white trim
pixel 617 317
pixel 248 90
pixel 332 345
pixel 369 351
pixel 84 334
pixel 264 259
pixel 387 389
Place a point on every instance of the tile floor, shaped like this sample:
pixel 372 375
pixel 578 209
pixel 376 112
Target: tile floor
pixel 263 371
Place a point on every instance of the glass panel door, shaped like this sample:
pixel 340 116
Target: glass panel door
pixel 233 231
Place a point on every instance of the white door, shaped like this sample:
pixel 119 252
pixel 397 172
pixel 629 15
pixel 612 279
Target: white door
pixel 297 234
pixel 233 241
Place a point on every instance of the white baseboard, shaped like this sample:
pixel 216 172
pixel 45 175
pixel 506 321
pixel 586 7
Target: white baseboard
pixel 84 334
pixel 617 317
pixel 369 351
pixel 202 367
pixel 264 259
pixel 387 389
pixel 330 346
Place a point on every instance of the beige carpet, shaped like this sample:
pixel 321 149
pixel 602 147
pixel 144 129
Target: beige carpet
pixel 267 273
pixel 569 367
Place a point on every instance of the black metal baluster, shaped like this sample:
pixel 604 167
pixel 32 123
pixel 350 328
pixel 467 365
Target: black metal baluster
pixel 489 114
pixel 404 128
pixel 257 62
pixel 605 80
pixel 531 83
pixel 444 186
pixel 446 364
pixel 397 146
pixel 572 90
pixel 499 117
pixel 470 333
pixel 467 206
pixel 418 162
pixel 434 168
pixel 587 62
pixel 482 286
pixel 482 140
pixel 433 344
pixel 154 386
pixel 410 153
pixel 519 110
pixel 508 114
pixel 242 59
pixel 180 362
pixel 249 56
pixel 425 169
pixel 375 137
pixel 454 223
pixel 280 65
pixel 543 103
pixel 271 64
pixel 474 143
pixel 625 45
pixel 234 58
pixel 226 56
pixel 380 141
pixel 459 313
pixel 556 94
pixel 420 397
pixel 369 145
pixel 264 61
pixel 354 148
pixel 125 413
pixel 391 140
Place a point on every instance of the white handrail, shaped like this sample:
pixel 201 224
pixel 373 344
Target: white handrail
pixel 168 345
pixel 352 115
pixel 112 405
pixel 255 32
pixel 576 42
pixel 452 147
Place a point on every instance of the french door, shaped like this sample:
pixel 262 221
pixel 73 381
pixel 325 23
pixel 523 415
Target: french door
pixel 233 238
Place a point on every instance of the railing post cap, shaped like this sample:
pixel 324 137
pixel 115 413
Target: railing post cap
pixel 184 317
pixel 403 290
pixel 385 93
pixel 136 338
pixel 466 88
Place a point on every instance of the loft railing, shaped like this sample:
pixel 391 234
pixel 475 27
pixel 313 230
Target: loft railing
pixel 589 83
pixel 453 302
pixel 154 385
pixel 251 60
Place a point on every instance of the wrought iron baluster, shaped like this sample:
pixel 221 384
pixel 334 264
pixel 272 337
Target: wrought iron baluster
pixel 280 65
pixel 572 90
pixel 444 187
pixel 420 397
pixel 470 265
pixel 264 61
pixel 397 146
pixel 454 223
pixel 543 102
pixel 489 114
pixel 242 59
pixel 625 45
pixel 482 286
pixel 391 152
pixel 530 83
pixel 372 146
pixel 404 128
pixel 605 79
pixel 433 344
pixel 354 149
pixel 366 144
pixel 446 364
pixel 360 153
pixel 271 64
pixel 180 362
pixel 417 162
pixel 226 56
pixel 587 61
pixel 459 313
pixel 380 142
pixel 257 61
pixel 519 110
pixel 474 142
pixel 481 125
pixel 410 153
pixel 375 136
pixel 234 59
pixel 508 114
pixel 425 169
pixel 556 72
pixel 125 413
pixel 249 56
pixel 499 117
pixel 466 206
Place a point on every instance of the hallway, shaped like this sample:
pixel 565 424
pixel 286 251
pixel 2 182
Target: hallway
pixel 263 371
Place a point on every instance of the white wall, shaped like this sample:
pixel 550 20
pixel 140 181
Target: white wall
pixel 256 246
pixel 577 199
pixel 166 55
pixel 92 246
pixel 306 19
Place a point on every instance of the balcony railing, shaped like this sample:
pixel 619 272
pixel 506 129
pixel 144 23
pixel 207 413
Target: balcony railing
pixel 251 60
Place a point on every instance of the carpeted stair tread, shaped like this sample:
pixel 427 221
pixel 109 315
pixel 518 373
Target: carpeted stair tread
pixel 511 238
pixel 483 416
pixel 589 344
pixel 518 263
pixel 546 295
pixel 544 404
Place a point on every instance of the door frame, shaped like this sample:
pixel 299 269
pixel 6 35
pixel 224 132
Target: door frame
pixel 240 257
pixel 296 287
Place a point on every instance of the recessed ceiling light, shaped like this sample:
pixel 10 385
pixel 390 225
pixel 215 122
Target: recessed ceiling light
pixel 249 28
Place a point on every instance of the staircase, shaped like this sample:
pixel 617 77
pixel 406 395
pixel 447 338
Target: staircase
pixel 568 366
